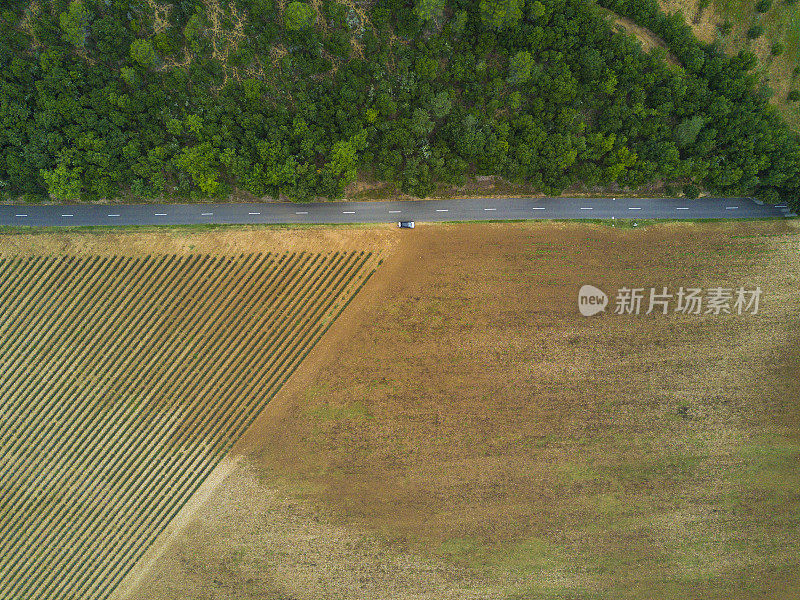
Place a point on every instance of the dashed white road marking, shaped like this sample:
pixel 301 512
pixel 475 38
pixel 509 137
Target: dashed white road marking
pixel 681 208
pixel 489 209
pixel 394 211
pixel 114 215
pixel 731 207
pixel 206 214
pixel 255 213
pixel 538 208
pixel 781 206
pixel 442 209
pixel 348 212
pixel 160 214
pixel 67 215
pixel 302 212
pixel 634 208
pixel 586 208
pixel 22 215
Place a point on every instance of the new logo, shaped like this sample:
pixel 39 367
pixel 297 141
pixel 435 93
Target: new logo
pixel 591 300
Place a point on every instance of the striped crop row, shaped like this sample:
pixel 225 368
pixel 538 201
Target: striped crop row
pixel 124 381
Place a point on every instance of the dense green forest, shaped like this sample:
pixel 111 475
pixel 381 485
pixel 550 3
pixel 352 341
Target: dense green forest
pixel 112 98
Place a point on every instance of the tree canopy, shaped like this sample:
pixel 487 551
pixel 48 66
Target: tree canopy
pixel 194 99
pixel 298 15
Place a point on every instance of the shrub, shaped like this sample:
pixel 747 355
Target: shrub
pixel 725 28
pixel 763 6
pixel 690 190
pixel 793 96
pixel 777 49
pixel 756 31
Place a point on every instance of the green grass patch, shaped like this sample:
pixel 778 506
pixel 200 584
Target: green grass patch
pixel 523 556
pixel 578 472
pixel 540 592
pixel 771 466
pixel 673 467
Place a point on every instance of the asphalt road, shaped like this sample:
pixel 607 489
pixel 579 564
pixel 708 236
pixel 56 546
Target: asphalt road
pixel 384 212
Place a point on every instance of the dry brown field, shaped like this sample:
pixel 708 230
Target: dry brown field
pixel 462 432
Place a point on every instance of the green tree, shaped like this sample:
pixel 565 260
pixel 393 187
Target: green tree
pixel 459 22
pixel 426 68
pixel 128 75
pixel 421 124
pixel 150 180
pixel 501 14
pixel 441 104
pixel 142 53
pixel 536 10
pixel 75 23
pixel 298 15
pixel 201 163
pixel 519 67
pixel 429 10
pixel 340 169
pixel 175 126
pixel 687 130
pixel 64 181
pixel 194 123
